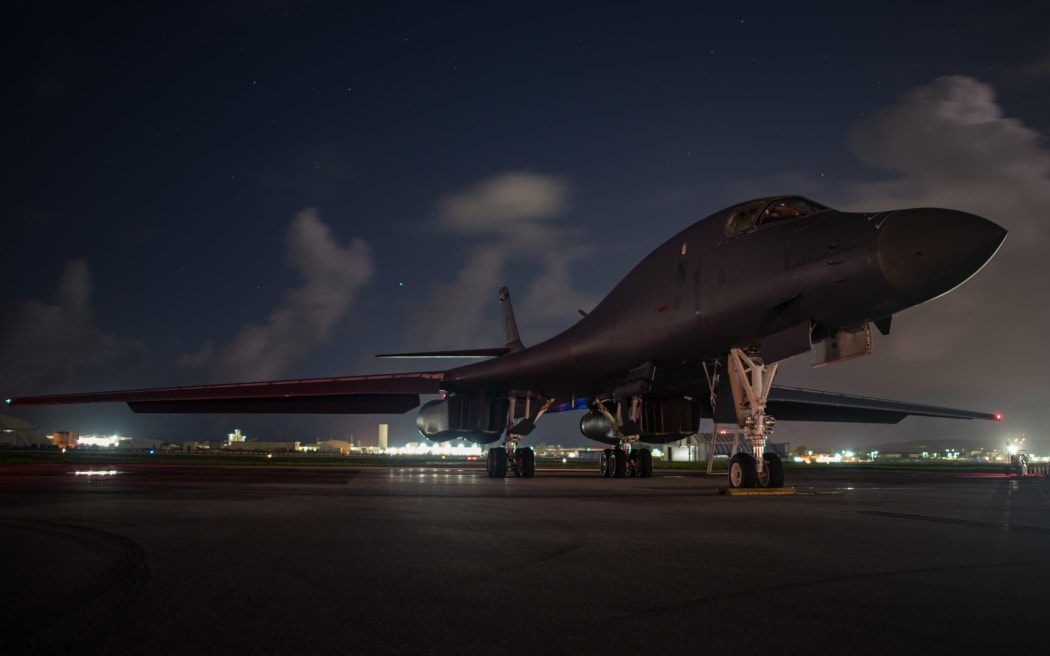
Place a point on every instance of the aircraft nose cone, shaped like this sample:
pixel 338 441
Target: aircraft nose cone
pixel 924 253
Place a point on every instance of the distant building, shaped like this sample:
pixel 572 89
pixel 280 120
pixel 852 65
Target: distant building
pixel 203 445
pixel 64 439
pixel 140 443
pixel 261 446
pixel 334 446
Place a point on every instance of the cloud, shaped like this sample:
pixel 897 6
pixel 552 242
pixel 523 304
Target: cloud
pixel 510 205
pixel 550 296
pixel 509 217
pixel 332 275
pixel 948 144
pixel 47 344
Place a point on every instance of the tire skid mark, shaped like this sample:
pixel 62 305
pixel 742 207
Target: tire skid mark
pixel 119 591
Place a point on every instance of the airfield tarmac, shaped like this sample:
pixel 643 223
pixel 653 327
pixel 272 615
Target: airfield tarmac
pixel 216 560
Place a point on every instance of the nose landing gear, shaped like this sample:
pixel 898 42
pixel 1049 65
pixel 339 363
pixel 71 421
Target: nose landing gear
pixel 751 380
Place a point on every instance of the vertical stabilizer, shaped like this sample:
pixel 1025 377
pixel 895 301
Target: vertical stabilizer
pixel 510 326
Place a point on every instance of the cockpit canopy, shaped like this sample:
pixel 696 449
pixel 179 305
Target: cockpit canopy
pixel 764 211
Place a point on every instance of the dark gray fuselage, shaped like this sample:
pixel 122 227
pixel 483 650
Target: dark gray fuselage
pixel 704 292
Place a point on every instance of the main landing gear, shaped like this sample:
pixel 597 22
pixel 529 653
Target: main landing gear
pixel 523 464
pixel 751 380
pixel 511 456
pixel 617 463
pixel 627 459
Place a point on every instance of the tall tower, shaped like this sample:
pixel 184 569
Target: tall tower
pixel 383 428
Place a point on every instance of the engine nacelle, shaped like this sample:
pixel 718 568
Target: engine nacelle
pixel 595 426
pixel 664 421
pixel 472 418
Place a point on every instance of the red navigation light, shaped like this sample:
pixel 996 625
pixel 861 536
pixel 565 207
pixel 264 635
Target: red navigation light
pixel 998 417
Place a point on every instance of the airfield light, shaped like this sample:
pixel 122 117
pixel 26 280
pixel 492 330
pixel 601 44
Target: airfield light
pixel 1012 448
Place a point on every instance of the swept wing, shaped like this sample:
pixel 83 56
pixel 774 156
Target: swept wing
pixel 795 404
pixel 389 393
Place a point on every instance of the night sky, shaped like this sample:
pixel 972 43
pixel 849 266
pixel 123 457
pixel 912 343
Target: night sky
pixel 256 190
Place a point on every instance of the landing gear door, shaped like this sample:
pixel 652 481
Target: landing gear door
pixel 703 297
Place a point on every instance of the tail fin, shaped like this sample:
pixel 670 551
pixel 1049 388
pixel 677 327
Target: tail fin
pixel 510 333
pixel 510 326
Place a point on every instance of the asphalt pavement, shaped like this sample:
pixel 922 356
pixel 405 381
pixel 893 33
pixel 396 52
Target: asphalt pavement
pixel 171 559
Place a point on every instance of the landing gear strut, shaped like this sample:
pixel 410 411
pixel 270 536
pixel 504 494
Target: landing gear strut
pixel 751 380
pixel 627 459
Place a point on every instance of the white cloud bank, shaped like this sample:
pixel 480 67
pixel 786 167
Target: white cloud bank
pixel 332 275
pixel 949 144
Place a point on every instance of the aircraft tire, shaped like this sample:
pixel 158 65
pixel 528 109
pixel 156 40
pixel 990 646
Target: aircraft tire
pixel 606 464
pixel 645 463
pixel 619 463
pixel 498 462
pixel 772 471
pixel 742 470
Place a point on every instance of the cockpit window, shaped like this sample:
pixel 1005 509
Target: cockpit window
pixel 743 219
pixel 788 208
pixel 765 211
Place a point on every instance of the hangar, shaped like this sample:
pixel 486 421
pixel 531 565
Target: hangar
pixel 15 432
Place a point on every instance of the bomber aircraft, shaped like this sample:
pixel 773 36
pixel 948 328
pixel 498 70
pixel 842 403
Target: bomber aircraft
pixel 706 316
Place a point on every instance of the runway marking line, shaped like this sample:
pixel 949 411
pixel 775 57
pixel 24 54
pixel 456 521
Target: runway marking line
pixel 964 522
pixel 756 491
